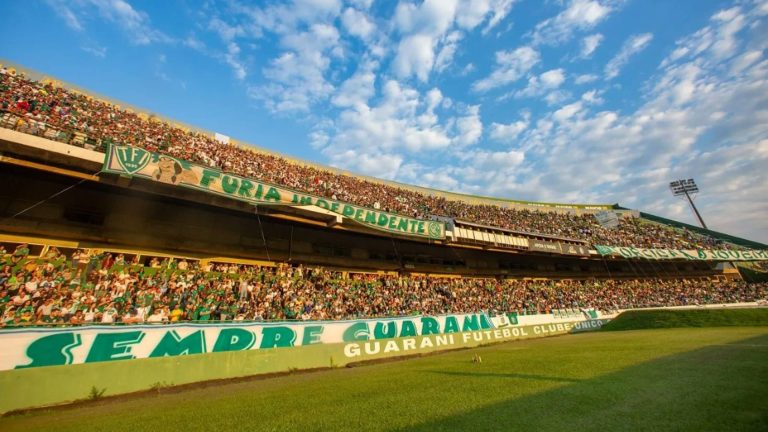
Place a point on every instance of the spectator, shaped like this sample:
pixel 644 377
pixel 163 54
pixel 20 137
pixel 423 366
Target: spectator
pixel 50 292
pixel 57 113
pixel 21 252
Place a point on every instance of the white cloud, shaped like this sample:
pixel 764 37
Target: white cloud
pixel 510 66
pixel 423 28
pixel 592 97
pixel 381 165
pixel 400 123
pixel 556 97
pixel 194 43
pixel 357 23
pixel 499 10
pixel 589 44
pixel 585 79
pixel 225 31
pixel 698 120
pixel 432 30
pixel 544 83
pixel 468 69
pixel 432 17
pixel 472 13
pixel 631 46
pixel 552 78
pixel 445 56
pixel 297 77
pixel 469 127
pixel 509 132
pixel 61 7
pixel 415 56
pixel 231 57
pixel 718 39
pixel 731 22
pixel 579 15
pixel 567 111
pixel 745 60
pixel 96 50
pixel 422 38
pixel 228 35
pixel 305 30
pixel 287 18
pixel 135 23
pixel 401 120
pixel 358 89
pixel 361 4
pixel 493 161
pixel 473 171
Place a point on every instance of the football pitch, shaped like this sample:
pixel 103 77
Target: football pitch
pixel 669 379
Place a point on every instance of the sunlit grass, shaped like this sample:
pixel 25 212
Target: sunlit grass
pixel 682 379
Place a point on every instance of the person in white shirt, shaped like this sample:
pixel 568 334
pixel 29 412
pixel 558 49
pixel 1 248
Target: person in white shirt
pixel 243 288
pixel 20 298
pixel 31 285
pixel 157 316
pixel 141 313
pixel 45 308
pixel 89 314
pixel 109 314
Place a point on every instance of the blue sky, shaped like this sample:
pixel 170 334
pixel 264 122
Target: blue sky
pixel 556 100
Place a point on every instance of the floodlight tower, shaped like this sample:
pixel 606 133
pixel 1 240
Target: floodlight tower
pixel 688 189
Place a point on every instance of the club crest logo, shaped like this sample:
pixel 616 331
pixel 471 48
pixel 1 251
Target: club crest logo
pixel 132 159
pixel 435 230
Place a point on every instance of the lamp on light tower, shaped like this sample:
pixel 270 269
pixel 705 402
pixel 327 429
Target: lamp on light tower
pixel 687 189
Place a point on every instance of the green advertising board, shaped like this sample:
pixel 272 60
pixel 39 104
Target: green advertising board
pixel 137 162
pixel 36 347
pixel 135 358
pixel 692 255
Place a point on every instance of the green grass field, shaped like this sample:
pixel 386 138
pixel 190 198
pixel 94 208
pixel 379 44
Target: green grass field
pixel 674 379
pixel 668 318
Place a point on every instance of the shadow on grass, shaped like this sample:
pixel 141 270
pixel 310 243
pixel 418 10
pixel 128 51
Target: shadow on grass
pixel 506 375
pixel 718 387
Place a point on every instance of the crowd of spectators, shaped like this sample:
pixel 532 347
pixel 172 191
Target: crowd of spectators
pixel 107 288
pixel 54 112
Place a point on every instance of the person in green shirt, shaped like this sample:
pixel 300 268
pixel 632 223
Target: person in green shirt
pixel 5 298
pixel 25 315
pixel 174 299
pixel 8 316
pixel 145 299
pixel 21 252
pixel 234 309
pixel 53 318
pixel 202 313
pixel 53 253
pixel 14 280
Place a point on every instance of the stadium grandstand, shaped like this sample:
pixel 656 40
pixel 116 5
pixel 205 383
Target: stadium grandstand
pixel 533 257
pixel 112 215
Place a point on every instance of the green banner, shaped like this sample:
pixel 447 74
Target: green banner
pixel 25 348
pixel 694 255
pixel 32 386
pixel 137 162
pixel 35 347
